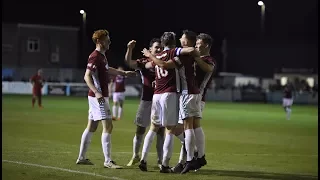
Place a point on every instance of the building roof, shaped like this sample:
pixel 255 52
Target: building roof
pixel 40 26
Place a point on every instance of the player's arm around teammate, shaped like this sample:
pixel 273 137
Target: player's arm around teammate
pixel 167 64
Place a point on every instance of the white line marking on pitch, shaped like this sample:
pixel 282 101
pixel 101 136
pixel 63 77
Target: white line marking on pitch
pixel 215 154
pixel 63 169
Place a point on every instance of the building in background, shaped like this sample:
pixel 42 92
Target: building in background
pixel 26 47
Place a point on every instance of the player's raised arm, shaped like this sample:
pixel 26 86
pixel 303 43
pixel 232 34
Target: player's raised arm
pixel 163 64
pixel 128 57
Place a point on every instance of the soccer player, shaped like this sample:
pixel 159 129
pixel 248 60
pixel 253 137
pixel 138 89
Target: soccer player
pixel 118 95
pixel 204 74
pixel 189 99
pixel 37 83
pixel 96 77
pixel 142 120
pixel 287 101
pixel 164 111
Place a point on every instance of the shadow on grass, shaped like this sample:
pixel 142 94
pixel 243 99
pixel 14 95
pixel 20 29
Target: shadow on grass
pixel 260 175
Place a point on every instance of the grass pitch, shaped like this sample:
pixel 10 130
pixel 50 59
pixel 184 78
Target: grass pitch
pixel 243 141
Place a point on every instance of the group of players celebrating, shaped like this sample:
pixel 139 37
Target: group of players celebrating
pixel 171 107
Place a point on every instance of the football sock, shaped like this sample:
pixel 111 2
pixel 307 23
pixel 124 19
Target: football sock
pixel 84 144
pixel 106 146
pixel 200 141
pixel 147 144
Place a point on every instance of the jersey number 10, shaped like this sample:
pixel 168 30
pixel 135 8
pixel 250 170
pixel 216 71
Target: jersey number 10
pixel 161 72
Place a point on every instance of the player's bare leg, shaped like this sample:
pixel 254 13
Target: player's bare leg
pixel 115 110
pixel 106 144
pixel 34 98
pixel 120 108
pixel 146 146
pixel 288 110
pixel 167 149
pixel 137 141
pixel 189 144
pixel 159 146
pixel 200 142
pixel 85 142
pixel 183 153
pixel 40 101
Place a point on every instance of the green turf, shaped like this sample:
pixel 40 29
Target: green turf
pixel 243 141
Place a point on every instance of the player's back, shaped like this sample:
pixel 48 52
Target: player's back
pixel 188 75
pixel 167 80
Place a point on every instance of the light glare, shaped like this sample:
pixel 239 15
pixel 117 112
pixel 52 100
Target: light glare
pixel 260 3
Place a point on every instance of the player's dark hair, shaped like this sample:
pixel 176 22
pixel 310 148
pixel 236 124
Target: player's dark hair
pixel 206 38
pixel 168 39
pixel 191 36
pixel 153 41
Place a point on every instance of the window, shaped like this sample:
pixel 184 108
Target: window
pixel 33 45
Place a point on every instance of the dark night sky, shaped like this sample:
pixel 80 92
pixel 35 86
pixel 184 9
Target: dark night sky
pixel 291 38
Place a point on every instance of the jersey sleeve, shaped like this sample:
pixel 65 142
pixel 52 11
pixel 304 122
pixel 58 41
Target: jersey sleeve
pixel 210 61
pixel 177 51
pixel 92 63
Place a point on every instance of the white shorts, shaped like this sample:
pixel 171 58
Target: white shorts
pixel 118 96
pixel 143 114
pixel 189 106
pixel 164 110
pixel 202 105
pixel 98 112
pixel 287 102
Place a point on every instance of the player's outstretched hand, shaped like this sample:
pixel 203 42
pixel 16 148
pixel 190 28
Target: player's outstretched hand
pixel 131 44
pixel 130 73
pixel 100 98
pixel 146 52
